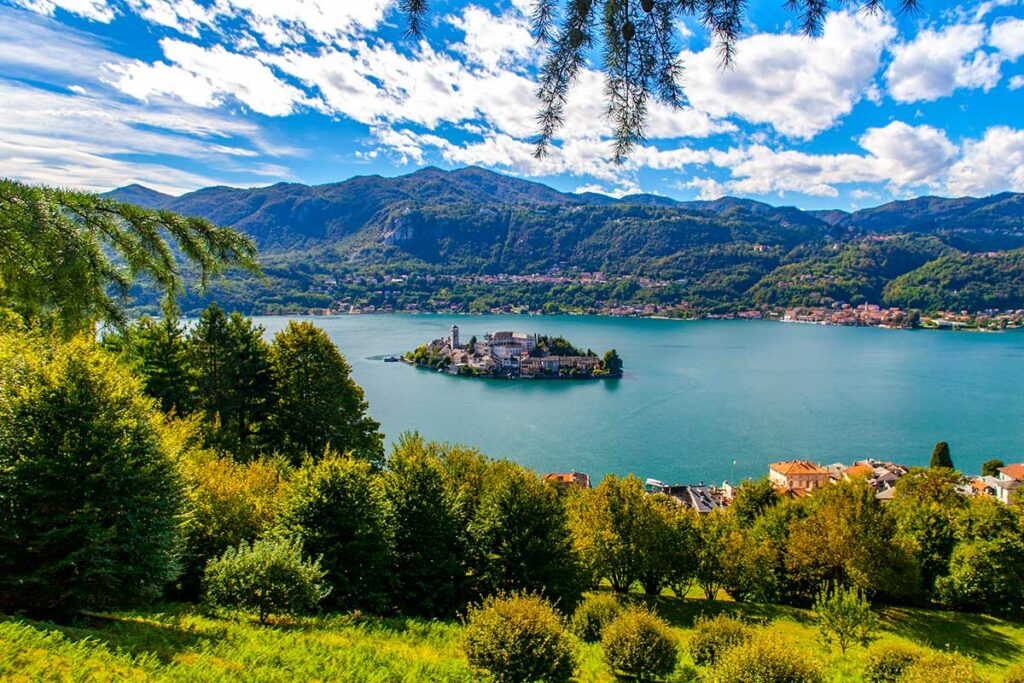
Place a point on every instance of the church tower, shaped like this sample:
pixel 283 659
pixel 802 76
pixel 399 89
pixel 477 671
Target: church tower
pixel 455 336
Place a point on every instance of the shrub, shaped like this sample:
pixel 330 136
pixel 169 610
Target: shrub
pixel 267 577
pixel 640 644
pixel 765 659
pixel 712 637
pixel 844 616
pixel 948 667
pixel 593 615
pixel 887 662
pixel 519 638
pixel 90 504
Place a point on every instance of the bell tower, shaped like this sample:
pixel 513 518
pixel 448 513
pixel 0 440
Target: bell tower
pixel 455 336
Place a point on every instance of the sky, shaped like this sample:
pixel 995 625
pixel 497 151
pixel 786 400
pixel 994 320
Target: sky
pixel 182 94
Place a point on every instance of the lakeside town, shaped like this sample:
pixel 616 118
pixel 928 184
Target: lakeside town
pixel 383 293
pixel 513 355
pixel 801 478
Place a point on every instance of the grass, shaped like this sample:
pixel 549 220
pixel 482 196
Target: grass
pixel 183 643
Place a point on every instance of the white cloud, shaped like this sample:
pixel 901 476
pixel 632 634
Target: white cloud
pixel 1017 82
pixel 1008 37
pixel 707 188
pixel 994 163
pixel 206 76
pixel 907 156
pixel 798 85
pixel 493 40
pixel 95 10
pixel 937 62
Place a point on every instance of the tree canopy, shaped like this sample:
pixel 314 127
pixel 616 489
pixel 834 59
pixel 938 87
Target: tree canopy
pixel 69 259
pixel 639 55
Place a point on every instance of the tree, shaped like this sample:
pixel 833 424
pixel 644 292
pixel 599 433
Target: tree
pixel 608 529
pixel 940 456
pixel 427 576
pixel 752 499
pixel 714 531
pixel 611 363
pixel 269 577
pixel 337 507
pixel 985 575
pixel 844 616
pixel 519 539
pixel 69 259
pixel 925 509
pixel 157 352
pixel 230 365
pixel 90 504
pixel 317 402
pixel 991 467
pixel 640 645
pixel 637 43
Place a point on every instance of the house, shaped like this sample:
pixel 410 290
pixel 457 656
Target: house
pixel 985 486
pixel 565 480
pixel 798 475
pixel 703 499
pixel 1010 479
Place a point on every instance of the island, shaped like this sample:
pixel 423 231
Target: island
pixel 514 355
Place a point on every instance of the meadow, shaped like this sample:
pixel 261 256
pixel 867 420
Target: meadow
pixel 178 642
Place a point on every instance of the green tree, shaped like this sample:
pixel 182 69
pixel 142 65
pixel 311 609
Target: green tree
pixel 714 532
pixel 925 509
pixel 640 645
pixel 157 353
pixel 941 456
pixel 844 616
pixel 69 259
pixel 268 577
pixel 611 363
pixel 608 529
pixel 752 499
pixel 338 508
pixel 231 370
pixel 427 577
pixel 318 403
pixel 90 504
pixel 519 539
pixel 991 467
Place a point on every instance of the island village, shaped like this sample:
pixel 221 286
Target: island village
pixel 514 355
pixel 800 478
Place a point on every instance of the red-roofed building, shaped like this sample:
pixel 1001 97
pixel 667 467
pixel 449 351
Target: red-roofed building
pixel 1011 477
pixel 795 475
pixel 566 479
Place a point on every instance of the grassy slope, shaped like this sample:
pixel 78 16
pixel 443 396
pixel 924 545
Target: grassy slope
pixel 178 643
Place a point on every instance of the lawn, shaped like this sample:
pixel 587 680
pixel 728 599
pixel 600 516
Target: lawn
pixel 183 643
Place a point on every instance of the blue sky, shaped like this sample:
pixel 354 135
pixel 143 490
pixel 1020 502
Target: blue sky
pixel 180 94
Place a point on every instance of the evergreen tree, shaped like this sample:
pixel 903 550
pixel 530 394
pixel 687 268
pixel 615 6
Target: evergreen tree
pixel 427 577
pixel 520 541
pixel 231 371
pixel 90 504
pixel 941 456
pixel 318 403
pixel 157 352
pixel 338 508
pixel 991 467
pixel 611 363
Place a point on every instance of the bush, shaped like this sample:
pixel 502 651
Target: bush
pixel 712 637
pixel 844 616
pixel 519 638
pixel 90 504
pixel 765 659
pixel 267 577
pixel 640 644
pixel 947 667
pixel 886 663
pixel 593 615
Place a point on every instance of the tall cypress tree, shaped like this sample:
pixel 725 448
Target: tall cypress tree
pixel 941 456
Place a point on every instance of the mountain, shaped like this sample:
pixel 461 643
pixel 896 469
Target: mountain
pixel 717 255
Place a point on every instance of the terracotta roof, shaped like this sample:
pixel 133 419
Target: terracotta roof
pixel 859 471
pixel 797 467
pixel 1014 471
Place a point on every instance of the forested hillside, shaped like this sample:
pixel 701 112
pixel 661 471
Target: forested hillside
pixel 454 230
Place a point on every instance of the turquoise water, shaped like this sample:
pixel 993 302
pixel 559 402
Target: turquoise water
pixel 698 396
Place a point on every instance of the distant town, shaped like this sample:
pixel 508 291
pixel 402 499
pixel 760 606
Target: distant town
pixel 513 355
pixel 800 478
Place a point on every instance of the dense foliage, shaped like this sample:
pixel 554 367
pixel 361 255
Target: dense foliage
pixel 519 638
pixel 712 637
pixel 593 614
pixel 765 659
pixel 639 644
pixel 90 503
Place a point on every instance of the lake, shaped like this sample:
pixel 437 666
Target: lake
pixel 704 400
